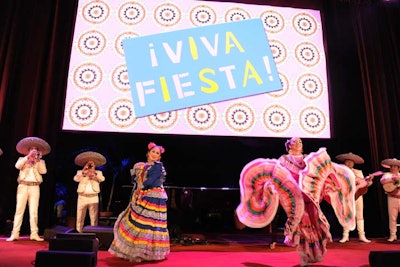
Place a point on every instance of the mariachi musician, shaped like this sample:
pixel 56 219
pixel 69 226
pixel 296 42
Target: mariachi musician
pixel 391 184
pixel 362 184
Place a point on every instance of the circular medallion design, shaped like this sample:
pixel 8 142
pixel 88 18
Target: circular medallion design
pixel 307 54
pixel 163 121
pixel 236 14
pixel 276 118
pixel 83 112
pixel 87 76
pixel 201 118
pixel 131 13
pixel 118 45
pixel 304 24
pixel 95 12
pixel 91 43
pixel 278 51
pixel 167 14
pixel 312 120
pixel 273 21
pixel 285 86
pixel 310 86
pixel 202 15
pixel 239 117
pixel 121 113
pixel 119 78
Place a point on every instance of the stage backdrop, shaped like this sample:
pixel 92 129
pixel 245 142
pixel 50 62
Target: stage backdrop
pixel 100 97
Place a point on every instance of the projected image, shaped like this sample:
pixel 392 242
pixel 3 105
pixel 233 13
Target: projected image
pixel 100 96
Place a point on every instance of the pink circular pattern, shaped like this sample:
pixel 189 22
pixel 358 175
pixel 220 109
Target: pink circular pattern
pixel 278 50
pixel 312 120
pixel 131 13
pixel 285 86
pixel 307 54
pixel 167 15
pixel 202 15
pixel 119 78
pixel 83 112
pixel 276 118
pixel 95 12
pixel 310 86
pixel 91 43
pixel 88 76
pixel 273 21
pixel 163 121
pixel 239 117
pixel 118 45
pixel 121 113
pixel 236 14
pixel 305 24
pixel 201 118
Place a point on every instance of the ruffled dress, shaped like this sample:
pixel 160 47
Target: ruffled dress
pixel 298 184
pixel 140 231
pixel 312 233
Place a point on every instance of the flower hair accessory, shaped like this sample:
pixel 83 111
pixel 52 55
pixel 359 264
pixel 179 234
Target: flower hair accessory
pixel 152 145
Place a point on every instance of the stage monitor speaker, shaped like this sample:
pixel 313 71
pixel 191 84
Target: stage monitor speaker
pixel 91 245
pixel 86 236
pixel 386 258
pixel 59 229
pixel 51 258
pixel 65 244
pixel 105 234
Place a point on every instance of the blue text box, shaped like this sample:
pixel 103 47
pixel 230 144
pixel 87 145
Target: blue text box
pixel 197 66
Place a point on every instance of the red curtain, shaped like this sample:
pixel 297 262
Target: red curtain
pixel 35 44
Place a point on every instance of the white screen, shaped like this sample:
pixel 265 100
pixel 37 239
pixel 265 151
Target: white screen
pixel 98 93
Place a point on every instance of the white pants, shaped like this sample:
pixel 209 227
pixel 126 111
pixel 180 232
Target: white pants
pixel 27 194
pixel 84 204
pixel 393 210
pixel 359 208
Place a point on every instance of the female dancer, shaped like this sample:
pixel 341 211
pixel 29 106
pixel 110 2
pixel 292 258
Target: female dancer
pixel 140 232
pixel 298 183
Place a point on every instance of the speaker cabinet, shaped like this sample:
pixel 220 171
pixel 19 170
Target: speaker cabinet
pixel 79 245
pixel 60 258
pixel 384 258
pixel 105 234
pixel 88 245
pixel 86 236
pixel 59 229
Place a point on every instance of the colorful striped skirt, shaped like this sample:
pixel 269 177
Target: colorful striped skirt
pixel 140 231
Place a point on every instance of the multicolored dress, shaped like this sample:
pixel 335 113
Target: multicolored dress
pixel 312 233
pixel 140 231
pixel 298 184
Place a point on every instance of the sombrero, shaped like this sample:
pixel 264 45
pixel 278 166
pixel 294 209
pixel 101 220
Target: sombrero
pixel 84 157
pixel 350 156
pixel 386 163
pixel 25 144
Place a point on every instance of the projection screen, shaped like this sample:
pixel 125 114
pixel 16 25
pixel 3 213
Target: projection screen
pixel 99 97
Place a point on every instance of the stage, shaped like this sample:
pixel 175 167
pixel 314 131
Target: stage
pixel 218 249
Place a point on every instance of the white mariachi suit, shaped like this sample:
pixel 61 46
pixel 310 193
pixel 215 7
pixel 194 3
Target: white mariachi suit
pixel 28 191
pixel 359 213
pixel 88 198
pixel 393 200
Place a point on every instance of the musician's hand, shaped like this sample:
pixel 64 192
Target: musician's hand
pixel 360 183
pixel 32 153
pixel 92 175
